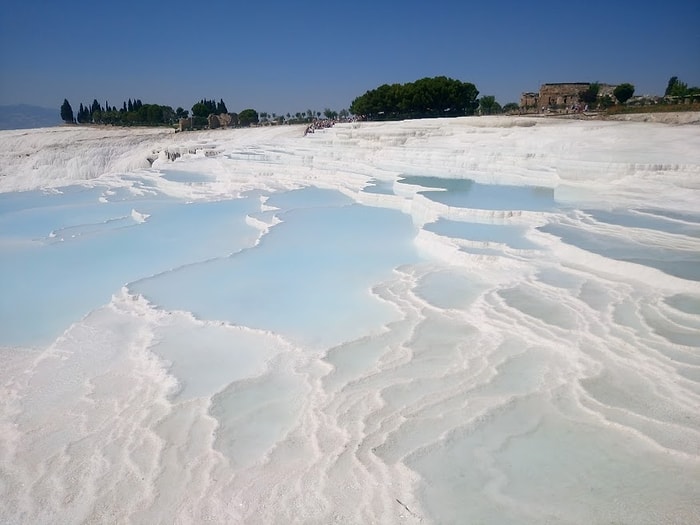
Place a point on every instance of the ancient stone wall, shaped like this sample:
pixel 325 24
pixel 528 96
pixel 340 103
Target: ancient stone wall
pixel 560 96
pixel 223 120
pixel 552 95
pixel 213 121
pixel 185 124
pixel 529 100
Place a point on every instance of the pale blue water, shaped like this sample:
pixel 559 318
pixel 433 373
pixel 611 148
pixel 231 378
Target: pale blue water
pixel 683 224
pixel 512 236
pixel 465 193
pixel 685 216
pixel 686 303
pixel 502 384
pixel 679 263
pixel 311 276
pixel 187 177
pixel 51 282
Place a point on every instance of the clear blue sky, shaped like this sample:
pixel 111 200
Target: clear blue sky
pixel 282 56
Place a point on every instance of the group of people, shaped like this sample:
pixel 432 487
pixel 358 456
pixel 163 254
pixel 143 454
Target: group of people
pixel 577 108
pixel 319 124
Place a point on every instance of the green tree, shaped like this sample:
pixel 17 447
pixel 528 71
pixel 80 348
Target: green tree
pixel 247 117
pixel 606 101
pixel 511 107
pixel 679 90
pixel 221 107
pixel 82 114
pixel 623 92
pixel 590 95
pixel 205 107
pixel 676 88
pixel 671 84
pixel 153 113
pixel 438 96
pixel 66 112
pixel 201 110
pixel 488 105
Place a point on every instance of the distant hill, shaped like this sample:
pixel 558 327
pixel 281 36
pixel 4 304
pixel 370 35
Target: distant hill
pixel 22 116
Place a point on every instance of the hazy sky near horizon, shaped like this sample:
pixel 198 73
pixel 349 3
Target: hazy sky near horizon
pixel 280 56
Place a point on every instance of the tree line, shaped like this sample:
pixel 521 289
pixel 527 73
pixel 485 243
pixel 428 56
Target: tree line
pixel 625 91
pixel 676 88
pixel 438 96
pixel 135 113
pixel 591 95
pixel 131 113
pixel 427 97
pixel 205 107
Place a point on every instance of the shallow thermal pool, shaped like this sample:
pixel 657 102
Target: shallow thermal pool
pixel 205 342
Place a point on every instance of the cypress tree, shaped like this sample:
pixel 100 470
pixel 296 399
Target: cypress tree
pixel 66 112
pixel 81 113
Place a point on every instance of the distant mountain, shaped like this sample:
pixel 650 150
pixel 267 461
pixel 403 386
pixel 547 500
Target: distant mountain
pixel 22 116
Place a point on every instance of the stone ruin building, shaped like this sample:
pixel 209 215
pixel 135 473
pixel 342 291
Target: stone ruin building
pixel 559 96
pixel 223 120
